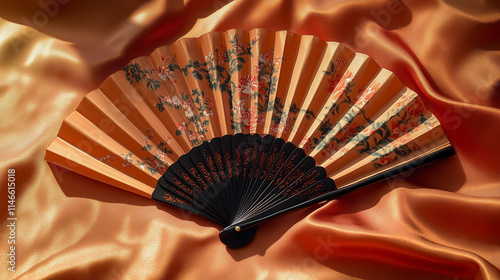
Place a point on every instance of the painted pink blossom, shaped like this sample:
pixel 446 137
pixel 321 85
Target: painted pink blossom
pixel 367 94
pixel 416 108
pixel 248 84
pixel 398 130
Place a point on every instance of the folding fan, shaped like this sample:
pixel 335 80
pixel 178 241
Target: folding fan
pixel 240 127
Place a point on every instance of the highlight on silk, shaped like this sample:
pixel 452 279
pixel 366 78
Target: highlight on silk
pixel 48 9
pixel 219 139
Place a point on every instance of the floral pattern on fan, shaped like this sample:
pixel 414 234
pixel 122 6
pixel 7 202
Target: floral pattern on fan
pixel 331 138
pixel 155 164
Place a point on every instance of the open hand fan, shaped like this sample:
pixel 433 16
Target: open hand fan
pixel 240 127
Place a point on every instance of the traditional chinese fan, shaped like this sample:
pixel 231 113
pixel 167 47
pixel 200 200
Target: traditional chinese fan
pixel 240 127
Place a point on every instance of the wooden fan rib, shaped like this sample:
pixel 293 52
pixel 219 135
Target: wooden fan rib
pixel 227 151
pixel 308 179
pixel 439 149
pixel 186 177
pixel 280 160
pixel 291 162
pixel 177 186
pixel 280 188
pixel 303 195
pixel 251 159
pixel 64 154
pixel 233 188
pixel 104 115
pixel 166 197
pixel 368 107
pixel 241 80
pixel 267 188
pixel 270 155
pixel 258 162
pixel 79 131
pixel 419 137
pixel 211 167
pixel 245 149
pixel 198 172
pixel 310 51
pixel 405 164
pixel 215 146
pixel 306 164
pixel 199 159
pixel 287 46
pixel 213 45
pixel 192 170
pixel 325 187
pixel 266 144
pixel 333 67
pixel 200 164
pixel 199 106
pixel 249 153
pixel 131 104
pixel 377 134
pixel 359 68
pixel 145 96
pixel 284 188
pixel 210 163
pixel 288 165
pixel 217 151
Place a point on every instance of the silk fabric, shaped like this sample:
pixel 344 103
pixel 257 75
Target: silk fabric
pixel 438 222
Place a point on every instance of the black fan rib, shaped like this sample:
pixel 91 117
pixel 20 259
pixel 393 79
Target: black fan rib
pixel 238 179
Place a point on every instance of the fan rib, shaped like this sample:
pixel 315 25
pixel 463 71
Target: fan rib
pixel 204 181
pixel 267 186
pixel 419 137
pixel 367 139
pixel 261 182
pixel 313 90
pixel 99 110
pixel 286 46
pixel 64 154
pixel 359 116
pixel 195 92
pixel 131 104
pixel 308 56
pixel 263 152
pixel 140 99
pixel 333 67
pixel 250 166
pixel 96 143
pixel 214 45
pixel 334 107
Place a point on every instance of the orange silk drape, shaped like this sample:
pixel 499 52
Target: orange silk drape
pixel 439 222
